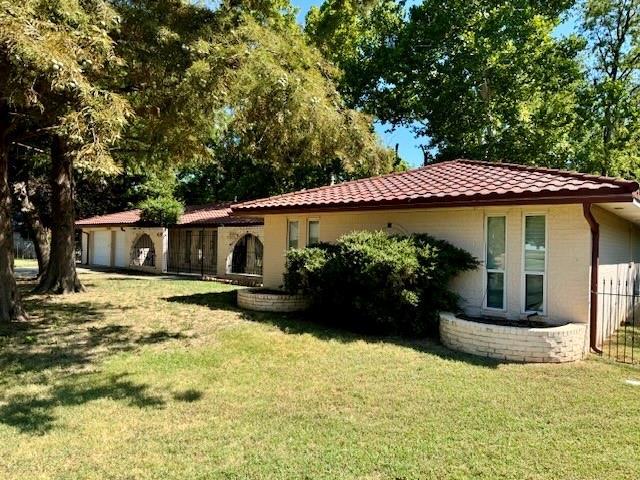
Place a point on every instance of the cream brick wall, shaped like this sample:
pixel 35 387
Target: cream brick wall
pixel 227 238
pixel 125 238
pixel 568 249
pixel 269 302
pixel 619 267
pixel 566 343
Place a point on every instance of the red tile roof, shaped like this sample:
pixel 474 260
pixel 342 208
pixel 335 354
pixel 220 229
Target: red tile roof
pixel 454 183
pixel 203 215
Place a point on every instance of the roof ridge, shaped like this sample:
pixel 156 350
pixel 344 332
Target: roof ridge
pixel 557 171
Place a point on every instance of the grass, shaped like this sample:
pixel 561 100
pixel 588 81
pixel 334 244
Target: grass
pixel 624 344
pixel 161 379
pixel 25 263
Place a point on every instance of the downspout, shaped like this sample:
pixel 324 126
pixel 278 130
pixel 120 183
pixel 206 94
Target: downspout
pixel 595 260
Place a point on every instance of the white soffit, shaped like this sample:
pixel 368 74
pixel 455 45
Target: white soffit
pixel 627 210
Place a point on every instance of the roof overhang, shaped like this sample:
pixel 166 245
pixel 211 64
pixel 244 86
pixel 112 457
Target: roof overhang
pixel 455 202
pixel 629 210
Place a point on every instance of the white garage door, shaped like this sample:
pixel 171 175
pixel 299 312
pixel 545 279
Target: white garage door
pixel 102 248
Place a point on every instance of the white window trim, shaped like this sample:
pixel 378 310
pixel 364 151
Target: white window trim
pixel 487 271
pixel 290 221
pixel 523 280
pixel 309 220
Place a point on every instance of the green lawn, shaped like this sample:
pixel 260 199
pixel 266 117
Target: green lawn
pixel 25 262
pixel 166 379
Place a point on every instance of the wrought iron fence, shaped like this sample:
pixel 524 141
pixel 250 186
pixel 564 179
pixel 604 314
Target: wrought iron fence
pixel 192 251
pixel 618 334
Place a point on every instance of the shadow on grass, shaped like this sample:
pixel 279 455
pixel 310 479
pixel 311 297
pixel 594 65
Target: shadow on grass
pixel 188 396
pixel 300 324
pixel 67 336
pixel 34 415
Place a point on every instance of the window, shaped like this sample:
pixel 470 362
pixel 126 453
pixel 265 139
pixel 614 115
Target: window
pixel 314 232
pixel 293 234
pixel 495 261
pixel 535 251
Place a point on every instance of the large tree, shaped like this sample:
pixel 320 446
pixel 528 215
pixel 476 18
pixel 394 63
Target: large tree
pixel 10 305
pixel 237 101
pixel 352 34
pixel 288 117
pixel 612 100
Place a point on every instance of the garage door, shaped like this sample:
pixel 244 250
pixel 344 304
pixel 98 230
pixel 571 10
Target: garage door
pixel 102 248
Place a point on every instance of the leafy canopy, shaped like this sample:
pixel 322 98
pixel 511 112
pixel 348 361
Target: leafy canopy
pixel 54 55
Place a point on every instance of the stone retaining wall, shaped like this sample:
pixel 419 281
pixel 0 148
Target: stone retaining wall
pixel 270 302
pixel 566 343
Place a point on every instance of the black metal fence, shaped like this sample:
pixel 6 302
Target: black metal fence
pixel 193 251
pixel 618 334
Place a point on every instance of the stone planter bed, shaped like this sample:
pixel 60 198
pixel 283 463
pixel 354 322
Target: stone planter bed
pixel 266 300
pixel 564 343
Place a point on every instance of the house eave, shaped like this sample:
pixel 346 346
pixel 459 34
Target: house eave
pixel 439 203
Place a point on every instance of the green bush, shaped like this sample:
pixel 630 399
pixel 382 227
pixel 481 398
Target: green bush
pixel 374 283
pixel 161 210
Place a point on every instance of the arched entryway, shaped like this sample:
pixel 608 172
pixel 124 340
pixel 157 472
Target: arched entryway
pixel 143 253
pixel 247 256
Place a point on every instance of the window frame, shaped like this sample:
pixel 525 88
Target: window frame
pixel 487 270
pixel 309 222
pixel 289 222
pixel 523 280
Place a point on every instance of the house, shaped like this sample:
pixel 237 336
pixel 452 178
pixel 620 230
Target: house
pixel 547 239
pixel 206 241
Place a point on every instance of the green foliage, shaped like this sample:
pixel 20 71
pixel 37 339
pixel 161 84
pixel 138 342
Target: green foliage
pixel 287 115
pixel 375 283
pixel 611 100
pixel 54 56
pixel 349 33
pixel 304 268
pixel 161 210
pixel 487 80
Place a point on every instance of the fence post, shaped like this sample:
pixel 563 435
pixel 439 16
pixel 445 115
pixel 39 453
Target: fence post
pixel 633 317
pixel 201 246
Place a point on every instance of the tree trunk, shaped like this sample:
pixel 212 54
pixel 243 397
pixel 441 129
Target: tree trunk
pixel 41 235
pixel 61 275
pixel 10 304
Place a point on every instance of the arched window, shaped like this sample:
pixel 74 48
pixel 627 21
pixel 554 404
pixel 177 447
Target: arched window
pixel 143 254
pixel 247 256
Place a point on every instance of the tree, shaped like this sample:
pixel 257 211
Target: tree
pixel 350 33
pixel 478 78
pixel 279 122
pixel 10 304
pixel 29 171
pixel 52 55
pixel 288 119
pixel 38 231
pixel 612 100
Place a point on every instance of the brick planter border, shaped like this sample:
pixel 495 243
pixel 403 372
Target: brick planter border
pixel 254 299
pixel 566 343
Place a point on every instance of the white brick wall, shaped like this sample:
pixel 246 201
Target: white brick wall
pixel 252 299
pixel 566 343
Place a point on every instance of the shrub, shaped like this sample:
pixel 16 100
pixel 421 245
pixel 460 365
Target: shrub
pixel 375 283
pixel 161 210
